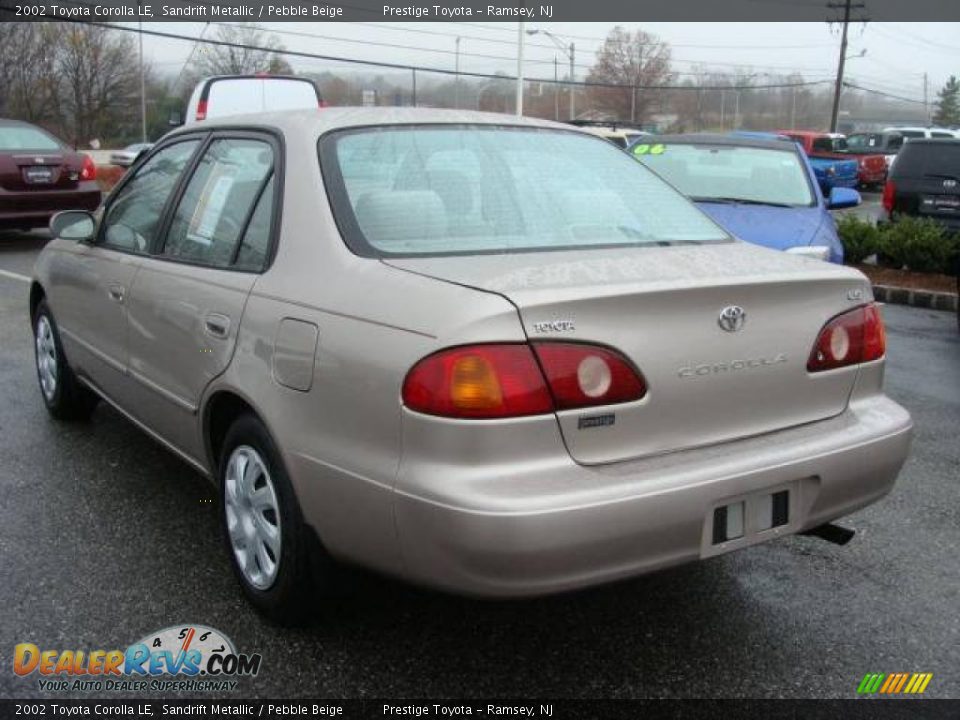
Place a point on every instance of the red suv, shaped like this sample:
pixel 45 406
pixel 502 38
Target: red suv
pixel 41 175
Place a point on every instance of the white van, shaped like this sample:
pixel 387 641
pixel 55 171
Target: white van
pixel 913 133
pixel 241 94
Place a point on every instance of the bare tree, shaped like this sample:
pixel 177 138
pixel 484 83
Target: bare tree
pixel 28 82
pixel 244 55
pixel 639 61
pixel 98 74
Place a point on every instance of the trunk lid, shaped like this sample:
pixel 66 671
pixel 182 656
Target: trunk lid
pixel 660 307
pixel 44 170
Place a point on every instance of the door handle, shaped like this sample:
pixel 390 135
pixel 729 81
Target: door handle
pixel 217 325
pixel 116 292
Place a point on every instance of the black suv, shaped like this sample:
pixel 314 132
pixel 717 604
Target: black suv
pixel 925 182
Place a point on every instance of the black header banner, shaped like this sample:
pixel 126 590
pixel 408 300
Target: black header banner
pixel 739 11
pixel 205 709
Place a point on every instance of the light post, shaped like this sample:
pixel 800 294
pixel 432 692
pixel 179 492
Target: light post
pixel 570 52
pixel 456 82
pixel 143 94
pixel 519 103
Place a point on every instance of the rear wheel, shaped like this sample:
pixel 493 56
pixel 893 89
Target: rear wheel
pixel 63 395
pixel 265 536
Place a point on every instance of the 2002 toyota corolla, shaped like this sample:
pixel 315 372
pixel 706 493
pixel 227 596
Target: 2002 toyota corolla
pixel 488 354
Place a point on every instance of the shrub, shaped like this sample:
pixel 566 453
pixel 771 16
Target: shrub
pixel 920 244
pixel 860 238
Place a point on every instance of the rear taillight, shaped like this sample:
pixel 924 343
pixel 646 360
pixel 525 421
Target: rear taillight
pixel 889 195
pixel 855 337
pixel 202 110
pixel 322 104
pixel 583 375
pixel 509 380
pixel 89 170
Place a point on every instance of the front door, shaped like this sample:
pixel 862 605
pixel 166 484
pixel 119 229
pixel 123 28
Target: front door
pixel 93 281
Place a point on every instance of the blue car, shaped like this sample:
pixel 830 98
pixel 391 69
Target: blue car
pixel 763 190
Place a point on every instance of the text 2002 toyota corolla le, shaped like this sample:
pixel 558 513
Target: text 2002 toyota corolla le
pixel 488 354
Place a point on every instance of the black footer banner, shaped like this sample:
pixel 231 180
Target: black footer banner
pixel 865 709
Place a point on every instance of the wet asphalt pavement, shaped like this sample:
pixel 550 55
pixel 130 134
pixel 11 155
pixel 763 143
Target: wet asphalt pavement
pixel 105 536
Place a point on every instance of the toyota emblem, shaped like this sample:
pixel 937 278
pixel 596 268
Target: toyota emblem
pixel 732 318
pixel 950 183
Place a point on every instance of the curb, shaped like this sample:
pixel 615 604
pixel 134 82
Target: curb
pixel 915 298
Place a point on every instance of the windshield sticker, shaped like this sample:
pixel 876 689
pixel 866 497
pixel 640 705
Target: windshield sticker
pixel 647 149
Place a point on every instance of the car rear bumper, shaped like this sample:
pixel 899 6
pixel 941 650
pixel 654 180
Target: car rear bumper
pixel 872 177
pixel 35 207
pixel 536 528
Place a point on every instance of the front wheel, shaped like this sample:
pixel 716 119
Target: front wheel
pixel 265 536
pixel 63 395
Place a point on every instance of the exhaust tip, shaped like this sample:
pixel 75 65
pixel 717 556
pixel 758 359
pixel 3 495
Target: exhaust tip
pixel 832 533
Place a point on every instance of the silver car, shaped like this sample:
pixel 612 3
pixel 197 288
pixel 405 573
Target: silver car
pixel 488 354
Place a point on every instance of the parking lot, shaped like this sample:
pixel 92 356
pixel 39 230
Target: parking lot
pixel 105 536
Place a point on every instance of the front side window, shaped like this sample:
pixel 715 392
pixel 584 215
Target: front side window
pixel 220 197
pixel 132 220
pixel 732 173
pixel 473 189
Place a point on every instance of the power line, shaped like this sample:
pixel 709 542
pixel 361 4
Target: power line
pixel 883 94
pixel 416 68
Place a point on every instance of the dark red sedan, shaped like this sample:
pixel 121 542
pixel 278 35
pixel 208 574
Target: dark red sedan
pixel 40 175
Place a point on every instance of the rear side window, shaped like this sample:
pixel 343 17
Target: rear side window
pixel 134 214
pixel 23 137
pixel 218 201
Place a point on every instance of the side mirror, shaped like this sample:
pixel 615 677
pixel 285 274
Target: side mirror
pixel 175 119
pixel 841 197
pixel 76 225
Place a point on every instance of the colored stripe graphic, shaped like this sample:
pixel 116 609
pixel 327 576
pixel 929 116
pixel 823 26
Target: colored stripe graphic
pixel 894 683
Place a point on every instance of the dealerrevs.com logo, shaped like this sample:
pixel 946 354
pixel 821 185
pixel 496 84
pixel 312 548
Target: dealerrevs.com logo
pixel 184 657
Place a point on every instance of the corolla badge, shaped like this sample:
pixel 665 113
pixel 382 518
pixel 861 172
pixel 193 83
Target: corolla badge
pixel 732 318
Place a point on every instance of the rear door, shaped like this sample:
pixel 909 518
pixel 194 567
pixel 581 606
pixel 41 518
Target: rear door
pixel 188 298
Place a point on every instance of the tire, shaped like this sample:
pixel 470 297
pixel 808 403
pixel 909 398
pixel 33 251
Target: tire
pixel 63 395
pixel 259 515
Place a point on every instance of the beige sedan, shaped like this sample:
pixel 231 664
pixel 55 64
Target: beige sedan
pixel 488 354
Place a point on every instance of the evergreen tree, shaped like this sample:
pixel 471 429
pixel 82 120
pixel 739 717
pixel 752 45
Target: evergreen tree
pixel 948 106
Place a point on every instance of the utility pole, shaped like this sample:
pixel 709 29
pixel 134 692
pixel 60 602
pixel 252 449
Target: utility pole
pixel 556 90
pixel 926 107
pixel 847 6
pixel 573 87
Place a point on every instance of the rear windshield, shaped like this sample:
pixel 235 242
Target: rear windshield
pixel 436 190
pixel 728 172
pixel 22 137
pixel 920 159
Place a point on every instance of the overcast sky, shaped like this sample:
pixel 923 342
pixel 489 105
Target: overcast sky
pixel 897 54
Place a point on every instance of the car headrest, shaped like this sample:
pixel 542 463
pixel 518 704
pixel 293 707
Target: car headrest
pixel 393 216
pixel 594 207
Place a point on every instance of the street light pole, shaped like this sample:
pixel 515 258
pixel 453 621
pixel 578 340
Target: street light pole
pixel 519 103
pixel 143 94
pixel 571 53
pixel 456 82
